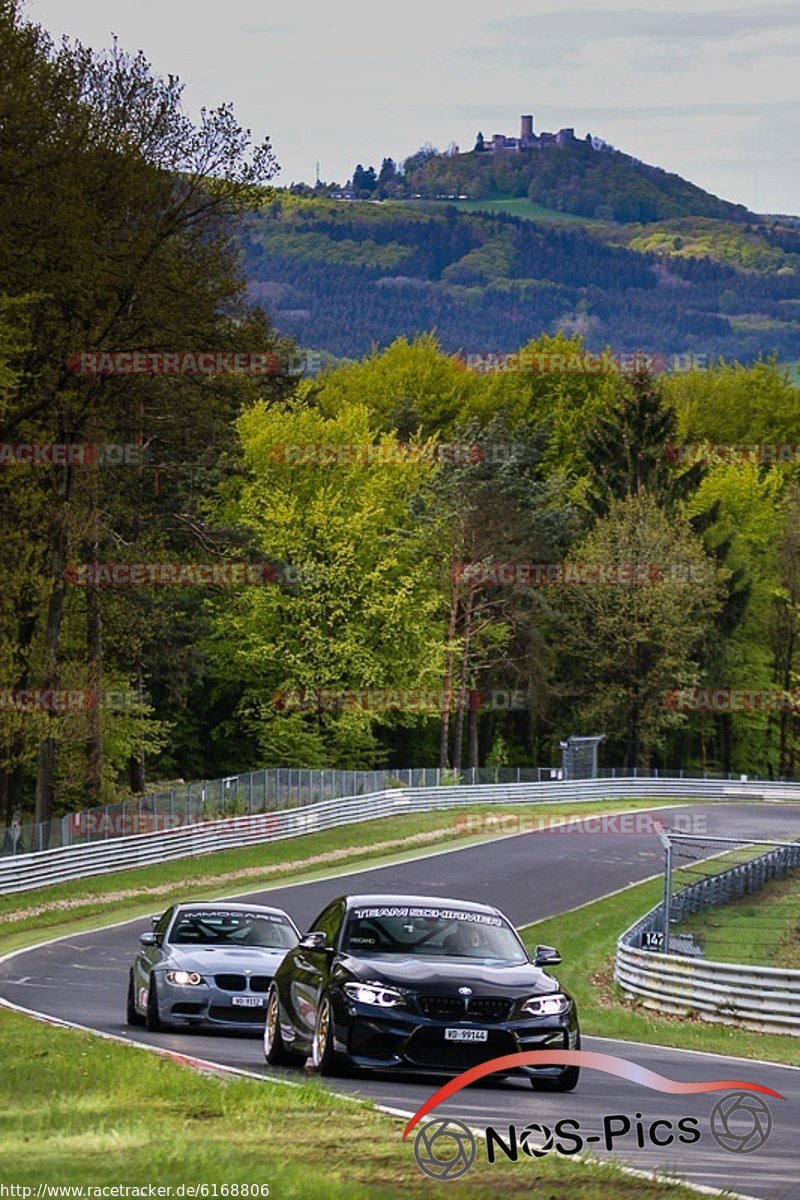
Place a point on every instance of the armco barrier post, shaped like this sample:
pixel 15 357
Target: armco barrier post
pixel 667 844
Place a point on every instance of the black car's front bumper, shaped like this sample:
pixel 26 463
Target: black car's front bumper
pixel 400 1038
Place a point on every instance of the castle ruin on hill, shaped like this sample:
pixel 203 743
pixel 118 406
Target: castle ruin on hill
pixel 528 140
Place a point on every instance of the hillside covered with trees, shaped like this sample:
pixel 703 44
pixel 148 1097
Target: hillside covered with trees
pixel 346 276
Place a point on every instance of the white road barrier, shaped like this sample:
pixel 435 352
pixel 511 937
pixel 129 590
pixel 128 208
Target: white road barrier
pixel 766 999
pixel 20 873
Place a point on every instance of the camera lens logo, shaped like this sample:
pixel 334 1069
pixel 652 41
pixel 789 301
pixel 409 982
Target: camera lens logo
pixel 444 1149
pixel 741 1122
pixel 536 1140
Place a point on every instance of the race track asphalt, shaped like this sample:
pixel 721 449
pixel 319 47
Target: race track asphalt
pixel 82 979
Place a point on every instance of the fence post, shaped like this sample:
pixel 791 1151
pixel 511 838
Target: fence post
pixel 667 844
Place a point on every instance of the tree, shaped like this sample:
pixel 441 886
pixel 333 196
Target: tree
pixel 785 630
pixel 627 447
pixel 626 646
pixel 388 172
pixel 364 182
pixel 147 202
pixel 498 511
pixel 366 613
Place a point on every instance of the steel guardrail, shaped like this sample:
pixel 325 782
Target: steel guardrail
pixel 24 872
pixel 764 999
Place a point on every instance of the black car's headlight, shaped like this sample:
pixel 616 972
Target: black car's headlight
pixel 184 978
pixel 552 1005
pixel 374 993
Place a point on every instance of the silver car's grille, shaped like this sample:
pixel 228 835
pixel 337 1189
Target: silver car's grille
pixel 231 983
pixel 260 983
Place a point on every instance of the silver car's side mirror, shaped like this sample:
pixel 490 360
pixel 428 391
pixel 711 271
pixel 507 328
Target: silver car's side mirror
pixel 149 939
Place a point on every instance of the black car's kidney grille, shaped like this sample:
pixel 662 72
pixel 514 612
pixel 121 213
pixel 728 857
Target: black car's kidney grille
pixel 260 983
pixel 442 1008
pixel 231 983
pixel 484 1009
pixel 427 1048
pixel 488 1008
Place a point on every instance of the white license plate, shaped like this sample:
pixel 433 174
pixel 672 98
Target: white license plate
pixel 248 1001
pixel 466 1035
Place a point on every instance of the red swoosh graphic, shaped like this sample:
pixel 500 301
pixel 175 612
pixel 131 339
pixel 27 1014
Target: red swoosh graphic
pixel 610 1063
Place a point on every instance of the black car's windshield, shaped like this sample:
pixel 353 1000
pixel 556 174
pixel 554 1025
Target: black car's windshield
pixel 440 932
pixel 223 927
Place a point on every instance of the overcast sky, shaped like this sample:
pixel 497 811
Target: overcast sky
pixel 712 91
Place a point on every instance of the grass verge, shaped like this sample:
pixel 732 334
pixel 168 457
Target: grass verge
pixel 762 929
pixel 587 940
pixel 518 206
pixel 75 1110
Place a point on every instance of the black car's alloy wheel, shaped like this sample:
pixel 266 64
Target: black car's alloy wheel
pixel 566 1082
pixel 324 1058
pixel 131 1015
pixel 274 1050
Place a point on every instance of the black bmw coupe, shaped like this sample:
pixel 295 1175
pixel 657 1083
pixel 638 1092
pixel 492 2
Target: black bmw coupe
pixel 417 983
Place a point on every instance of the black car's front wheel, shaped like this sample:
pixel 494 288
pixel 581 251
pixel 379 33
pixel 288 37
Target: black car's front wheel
pixel 324 1058
pixel 132 1016
pixel 567 1081
pixel 275 1051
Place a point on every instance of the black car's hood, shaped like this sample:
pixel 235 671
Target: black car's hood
pixel 447 974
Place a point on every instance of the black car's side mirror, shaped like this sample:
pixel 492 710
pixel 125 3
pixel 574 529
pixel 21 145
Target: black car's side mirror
pixel 546 956
pixel 150 939
pixel 316 940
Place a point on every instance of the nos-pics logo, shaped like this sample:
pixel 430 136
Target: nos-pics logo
pixel 740 1122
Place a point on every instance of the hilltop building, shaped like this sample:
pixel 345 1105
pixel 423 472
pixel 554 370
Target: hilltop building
pixel 527 140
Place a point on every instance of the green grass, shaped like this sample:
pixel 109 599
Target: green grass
pixel 88 903
pixel 587 941
pixel 517 207
pixel 75 1110
pixel 762 929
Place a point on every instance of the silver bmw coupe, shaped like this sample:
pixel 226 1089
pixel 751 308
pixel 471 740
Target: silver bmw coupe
pixel 209 963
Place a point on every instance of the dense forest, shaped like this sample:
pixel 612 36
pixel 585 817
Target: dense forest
pixel 344 277
pixel 125 228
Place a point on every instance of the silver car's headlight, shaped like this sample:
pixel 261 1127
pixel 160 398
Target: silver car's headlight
pixel 374 993
pixel 546 1006
pixel 184 978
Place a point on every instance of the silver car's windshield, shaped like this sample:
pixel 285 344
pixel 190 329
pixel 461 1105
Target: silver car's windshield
pixel 221 927
pixel 449 933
